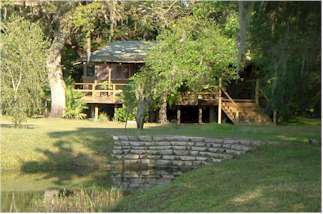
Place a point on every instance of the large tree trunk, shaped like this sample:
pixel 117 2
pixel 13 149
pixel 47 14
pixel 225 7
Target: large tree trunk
pixel 163 110
pixel 140 117
pixel 55 76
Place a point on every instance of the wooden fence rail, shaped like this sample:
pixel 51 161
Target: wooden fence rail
pixel 100 91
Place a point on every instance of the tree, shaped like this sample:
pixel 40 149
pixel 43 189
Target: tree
pixel 23 68
pixel 138 95
pixel 193 53
pixel 54 19
pixel 57 14
pixel 284 41
pixel 73 22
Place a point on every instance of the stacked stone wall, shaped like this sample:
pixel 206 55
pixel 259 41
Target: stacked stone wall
pixel 177 151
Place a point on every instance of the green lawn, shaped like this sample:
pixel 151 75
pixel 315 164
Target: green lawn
pixel 64 144
pixel 285 177
pixel 281 177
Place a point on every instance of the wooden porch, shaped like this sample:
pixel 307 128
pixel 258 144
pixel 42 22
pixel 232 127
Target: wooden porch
pixel 102 93
pixel 237 110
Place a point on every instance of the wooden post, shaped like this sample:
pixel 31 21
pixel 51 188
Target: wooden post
pixel 178 115
pixel 114 112
pixel 93 88
pixel 200 115
pixel 96 112
pixel 92 111
pixel 84 69
pixel 220 102
pixel 113 92
pixel 212 114
pixel 257 91
pixel 109 78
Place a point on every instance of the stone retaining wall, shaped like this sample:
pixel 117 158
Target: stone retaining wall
pixel 177 151
pixel 143 179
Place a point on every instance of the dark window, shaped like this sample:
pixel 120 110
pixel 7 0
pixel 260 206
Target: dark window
pixel 120 72
pixel 90 70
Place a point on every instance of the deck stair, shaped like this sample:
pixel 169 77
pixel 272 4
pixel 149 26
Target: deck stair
pixel 243 111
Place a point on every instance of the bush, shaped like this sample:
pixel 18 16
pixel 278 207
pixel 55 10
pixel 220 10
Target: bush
pixel 121 115
pixel 75 106
pixel 103 117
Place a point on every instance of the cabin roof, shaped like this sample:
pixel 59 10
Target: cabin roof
pixel 122 51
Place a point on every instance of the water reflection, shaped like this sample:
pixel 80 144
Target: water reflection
pixel 143 179
pixel 28 187
pixel 21 192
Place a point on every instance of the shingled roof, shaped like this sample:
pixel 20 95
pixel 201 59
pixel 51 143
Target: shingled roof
pixel 122 51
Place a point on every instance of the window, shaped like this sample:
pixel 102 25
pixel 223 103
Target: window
pixel 119 71
pixel 102 71
pixel 90 70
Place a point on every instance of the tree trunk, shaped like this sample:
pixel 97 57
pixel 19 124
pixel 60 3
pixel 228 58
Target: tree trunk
pixel 220 102
pixel 140 117
pixel 163 110
pixel 112 20
pixel 55 76
pixel 257 92
pixel 275 117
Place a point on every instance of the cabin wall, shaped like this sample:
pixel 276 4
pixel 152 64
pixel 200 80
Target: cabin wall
pixel 120 72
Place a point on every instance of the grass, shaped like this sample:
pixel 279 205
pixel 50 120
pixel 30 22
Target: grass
pixel 279 177
pixel 81 200
pixel 284 177
pixel 64 144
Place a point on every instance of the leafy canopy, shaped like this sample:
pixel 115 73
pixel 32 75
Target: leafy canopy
pixel 23 68
pixel 284 39
pixel 194 52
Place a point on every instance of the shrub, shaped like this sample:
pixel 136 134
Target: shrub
pixel 121 115
pixel 75 106
pixel 103 117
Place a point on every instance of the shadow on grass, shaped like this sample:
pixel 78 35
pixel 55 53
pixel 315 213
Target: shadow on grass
pixel 22 126
pixel 84 152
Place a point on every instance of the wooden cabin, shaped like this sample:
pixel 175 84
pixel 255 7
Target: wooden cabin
pixel 107 71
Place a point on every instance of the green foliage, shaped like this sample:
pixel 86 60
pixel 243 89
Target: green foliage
pixel 69 56
pixel 122 115
pixel 223 13
pixel 103 117
pixel 75 106
pixel 138 95
pixel 85 16
pixel 23 68
pixel 193 52
pixel 284 40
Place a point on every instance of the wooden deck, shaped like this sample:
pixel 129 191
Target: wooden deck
pixel 100 92
pixel 237 110
pixel 201 98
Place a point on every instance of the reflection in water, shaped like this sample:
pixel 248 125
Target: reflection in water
pixel 26 188
pixel 130 180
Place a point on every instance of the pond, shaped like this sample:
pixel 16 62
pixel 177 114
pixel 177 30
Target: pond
pixel 23 191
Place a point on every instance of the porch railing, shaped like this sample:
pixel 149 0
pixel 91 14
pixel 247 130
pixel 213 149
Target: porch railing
pixel 100 91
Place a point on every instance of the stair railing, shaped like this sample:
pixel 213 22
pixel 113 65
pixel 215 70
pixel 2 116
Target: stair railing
pixel 232 102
